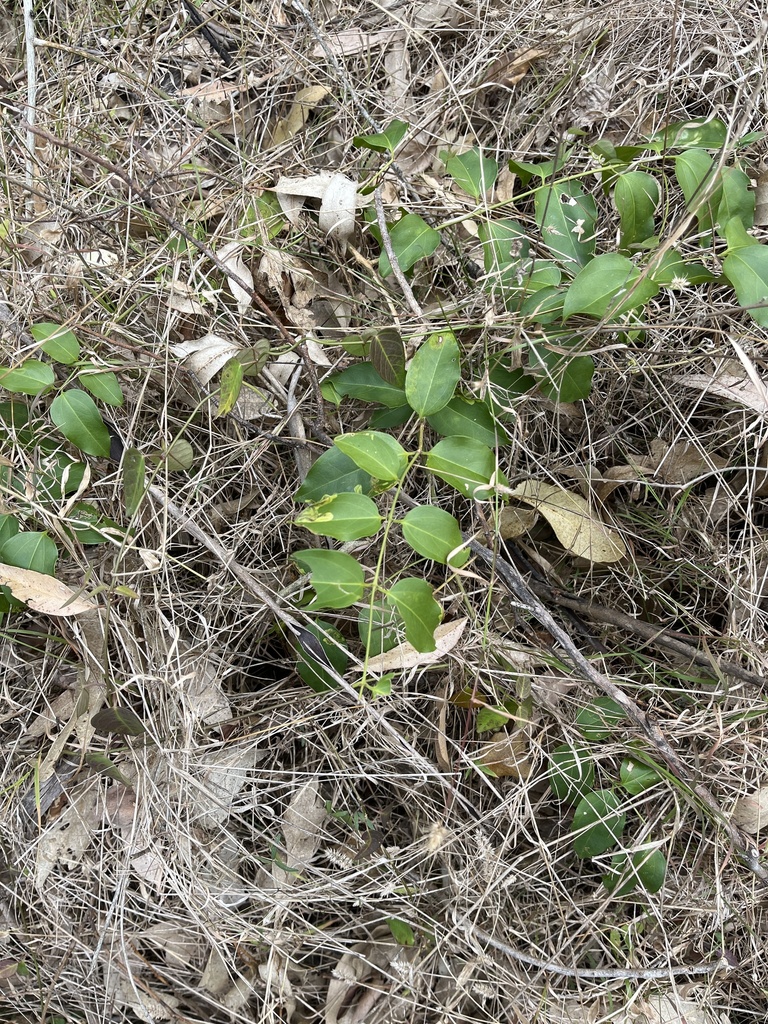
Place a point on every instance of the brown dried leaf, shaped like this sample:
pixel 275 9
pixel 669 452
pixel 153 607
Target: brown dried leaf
pixel 750 813
pixel 506 754
pixel 508 70
pixel 304 103
pixel 681 462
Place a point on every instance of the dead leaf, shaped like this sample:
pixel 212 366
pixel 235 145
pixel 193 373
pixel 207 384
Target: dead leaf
pixel 355 40
pixel 67 838
pixel 43 593
pixel 740 390
pixel 338 201
pixel 513 521
pixel 304 103
pixel 672 1008
pixel 510 69
pixel 750 813
pixel 205 356
pixel 404 656
pixel 302 822
pixel 576 524
pixel 506 754
pixel 681 462
pixel 231 255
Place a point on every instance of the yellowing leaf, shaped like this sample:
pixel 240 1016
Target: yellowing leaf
pixel 576 525
pixel 43 593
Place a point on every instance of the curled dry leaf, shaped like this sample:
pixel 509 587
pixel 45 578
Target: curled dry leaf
pixel 43 593
pixel 681 462
pixel 750 813
pixel 183 299
pixel 512 68
pixel 740 390
pixel 304 103
pixel 338 201
pixel 576 525
pixel 231 255
pixel 404 656
pixel 205 356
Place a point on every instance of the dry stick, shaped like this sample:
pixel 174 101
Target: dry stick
pixel 400 277
pixel 512 578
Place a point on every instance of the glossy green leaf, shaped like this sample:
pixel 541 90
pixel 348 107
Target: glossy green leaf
pixel 673 271
pixel 14 414
pixel 388 355
pixel 103 384
pixel 134 479
pixel 737 199
pixel 9 527
pixel 231 384
pixel 472 172
pixel 342 516
pixel 388 419
pixel 118 721
pixel 609 284
pixel 566 216
pixel 88 525
pixel 563 378
pixel 636 197
pixel 433 374
pixel 363 381
pixel 333 473
pixel 319 654
pixel 420 612
pixel 386 141
pixel 598 823
pixel 337 578
pixel 466 465
pixel 695 134
pixel 600 719
pixel 30 378
pixel 31 551
pixel 401 931
pixel 434 533
pixel 747 270
pixel 505 248
pixel 58 342
pixel 79 420
pixel 544 306
pixel 572 772
pixel 465 418
pixel 412 240
pixel 694 170
pixel 377 454
pixel 505 387
pixel 645 867
pixel 636 777
pixel 543 274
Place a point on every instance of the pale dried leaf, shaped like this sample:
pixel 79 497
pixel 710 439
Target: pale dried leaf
pixel 355 40
pixel 514 521
pixel 302 822
pixel 99 259
pixel 337 209
pixel 67 838
pixel 201 685
pixel 576 525
pixel 506 754
pixel 740 390
pixel 404 656
pixel 672 1008
pixel 130 996
pixel 508 70
pixel 43 593
pixel 183 299
pixel 231 255
pixel 750 813
pixel 205 356
pixel 681 462
pixel 181 945
pixel 224 775
pixel 304 103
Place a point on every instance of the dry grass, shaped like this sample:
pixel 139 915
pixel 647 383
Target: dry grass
pixel 168 898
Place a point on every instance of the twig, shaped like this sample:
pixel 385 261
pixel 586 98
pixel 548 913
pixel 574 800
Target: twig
pixel 29 113
pixel 386 239
pixel 511 577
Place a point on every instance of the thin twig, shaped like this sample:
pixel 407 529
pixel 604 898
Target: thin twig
pixel 386 240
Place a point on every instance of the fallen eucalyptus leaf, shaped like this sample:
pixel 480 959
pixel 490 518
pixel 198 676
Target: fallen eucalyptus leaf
pixel 43 593
pixel 404 656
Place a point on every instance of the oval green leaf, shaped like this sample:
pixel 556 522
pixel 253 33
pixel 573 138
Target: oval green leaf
pixel 363 381
pixel 737 199
pixel 572 772
pixel 645 867
pixel 462 417
pixel 747 270
pixel 333 473
pixel 566 216
pixel 466 465
pixel 694 170
pixel 337 578
pixel 383 142
pixel 79 420
pixel 412 240
pixel 342 516
pixel 104 385
pixel 420 612
pixel 434 533
pixel 432 377
pixel 30 378
pixel 472 172
pixel 388 355
pixel 598 823
pixel 134 474
pixel 636 197
pixel 31 550
pixel 120 721
pixel 58 342
pixel 608 283
pixel 637 777
pixel 600 719
pixel 231 385
pixel 375 453
pixel 320 650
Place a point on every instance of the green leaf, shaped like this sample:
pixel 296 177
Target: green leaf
pixel 490 720
pixel 598 823
pixel 86 523
pixel 79 420
pixel 545 169
pixel 342 516
pixel 647 867
pixel 572 773
pixel 337 578
pixel 694 170
pixel 363 381
pixel 472 172
pixel 465 418
pixel 30 378
pixel 604 286
pixel 388 355
pixel 505 247
pixel 504 388
pixel 377 626
pixel 31 551
pixel 563 378
pixel 544 306
pixel 747 270
pixel 321 648
pixel 673 271
pixel 636 196
pixel 120 721
pixel 103 384
pixel 566 216
pixel 388 419
pixel 180 455
pixel 544 274
pixel 402 932
pixel 9 527
pixel 637 777
pixel 599 720
pixel 434 533
pixel 14 414
pixel 333 473
pixel 375 453
pixel 465 464
pixel 58 343
pixel 412 240
pixel 231 385
pixel 419 611
pixel 134 471
pixel 383 142
pixel 433 374
pixel 738 199
pixel 695 134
